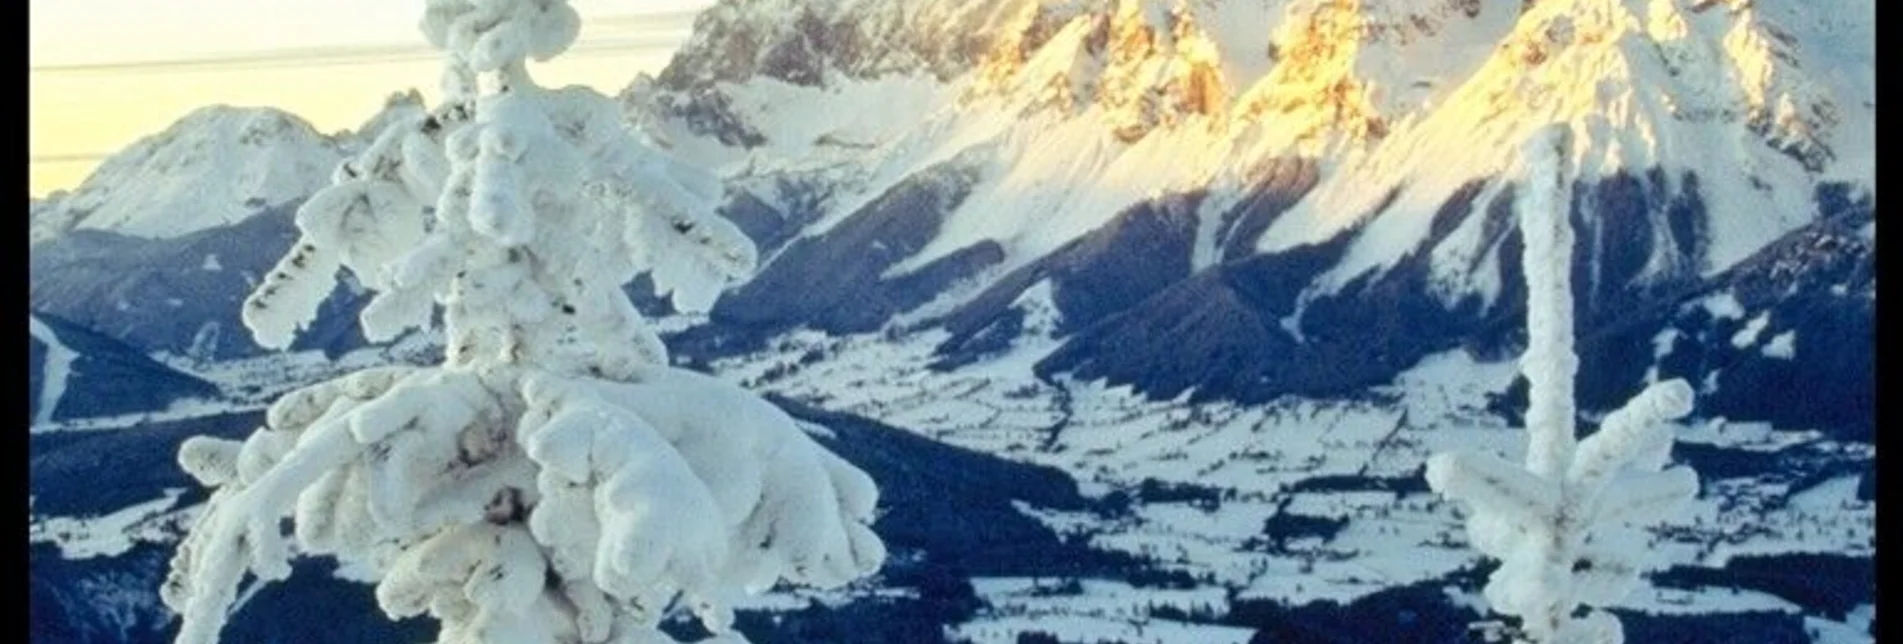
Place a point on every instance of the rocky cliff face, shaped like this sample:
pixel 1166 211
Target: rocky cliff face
pixel 1339 173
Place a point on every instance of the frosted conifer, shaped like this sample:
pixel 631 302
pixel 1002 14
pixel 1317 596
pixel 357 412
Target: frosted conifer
pixel 554 480
pixel 1565 527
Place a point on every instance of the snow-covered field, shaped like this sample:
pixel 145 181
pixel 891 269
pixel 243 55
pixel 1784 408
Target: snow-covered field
pixel 1341 476
pixel 1294 501
pixel 154 521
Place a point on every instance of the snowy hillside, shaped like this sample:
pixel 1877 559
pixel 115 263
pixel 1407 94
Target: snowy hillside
pixel 215 166
pixel 179 295
pixel 73 372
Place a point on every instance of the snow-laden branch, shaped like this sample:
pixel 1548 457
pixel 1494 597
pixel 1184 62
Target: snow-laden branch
pixel 1566 526
pixel 554 480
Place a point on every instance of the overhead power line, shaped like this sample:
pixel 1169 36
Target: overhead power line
pixel 650 31
pixel 78 157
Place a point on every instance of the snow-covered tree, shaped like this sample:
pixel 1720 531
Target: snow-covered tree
pixel 1566 527
pixel 554 480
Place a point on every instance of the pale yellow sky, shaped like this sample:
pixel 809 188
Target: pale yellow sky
pixel 104 73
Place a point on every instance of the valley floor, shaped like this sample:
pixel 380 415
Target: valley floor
pixel 1235 512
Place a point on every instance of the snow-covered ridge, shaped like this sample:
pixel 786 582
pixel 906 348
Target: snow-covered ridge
pixel 1341 65
pixel 215 166
pixel 805 41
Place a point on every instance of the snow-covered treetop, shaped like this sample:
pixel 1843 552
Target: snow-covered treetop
pixel 555 480
pixel 1566 526
pixel 538 216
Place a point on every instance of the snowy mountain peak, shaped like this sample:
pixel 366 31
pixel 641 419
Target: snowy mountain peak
pixel 1728 94
pixel 215 166
pixel 1704 62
